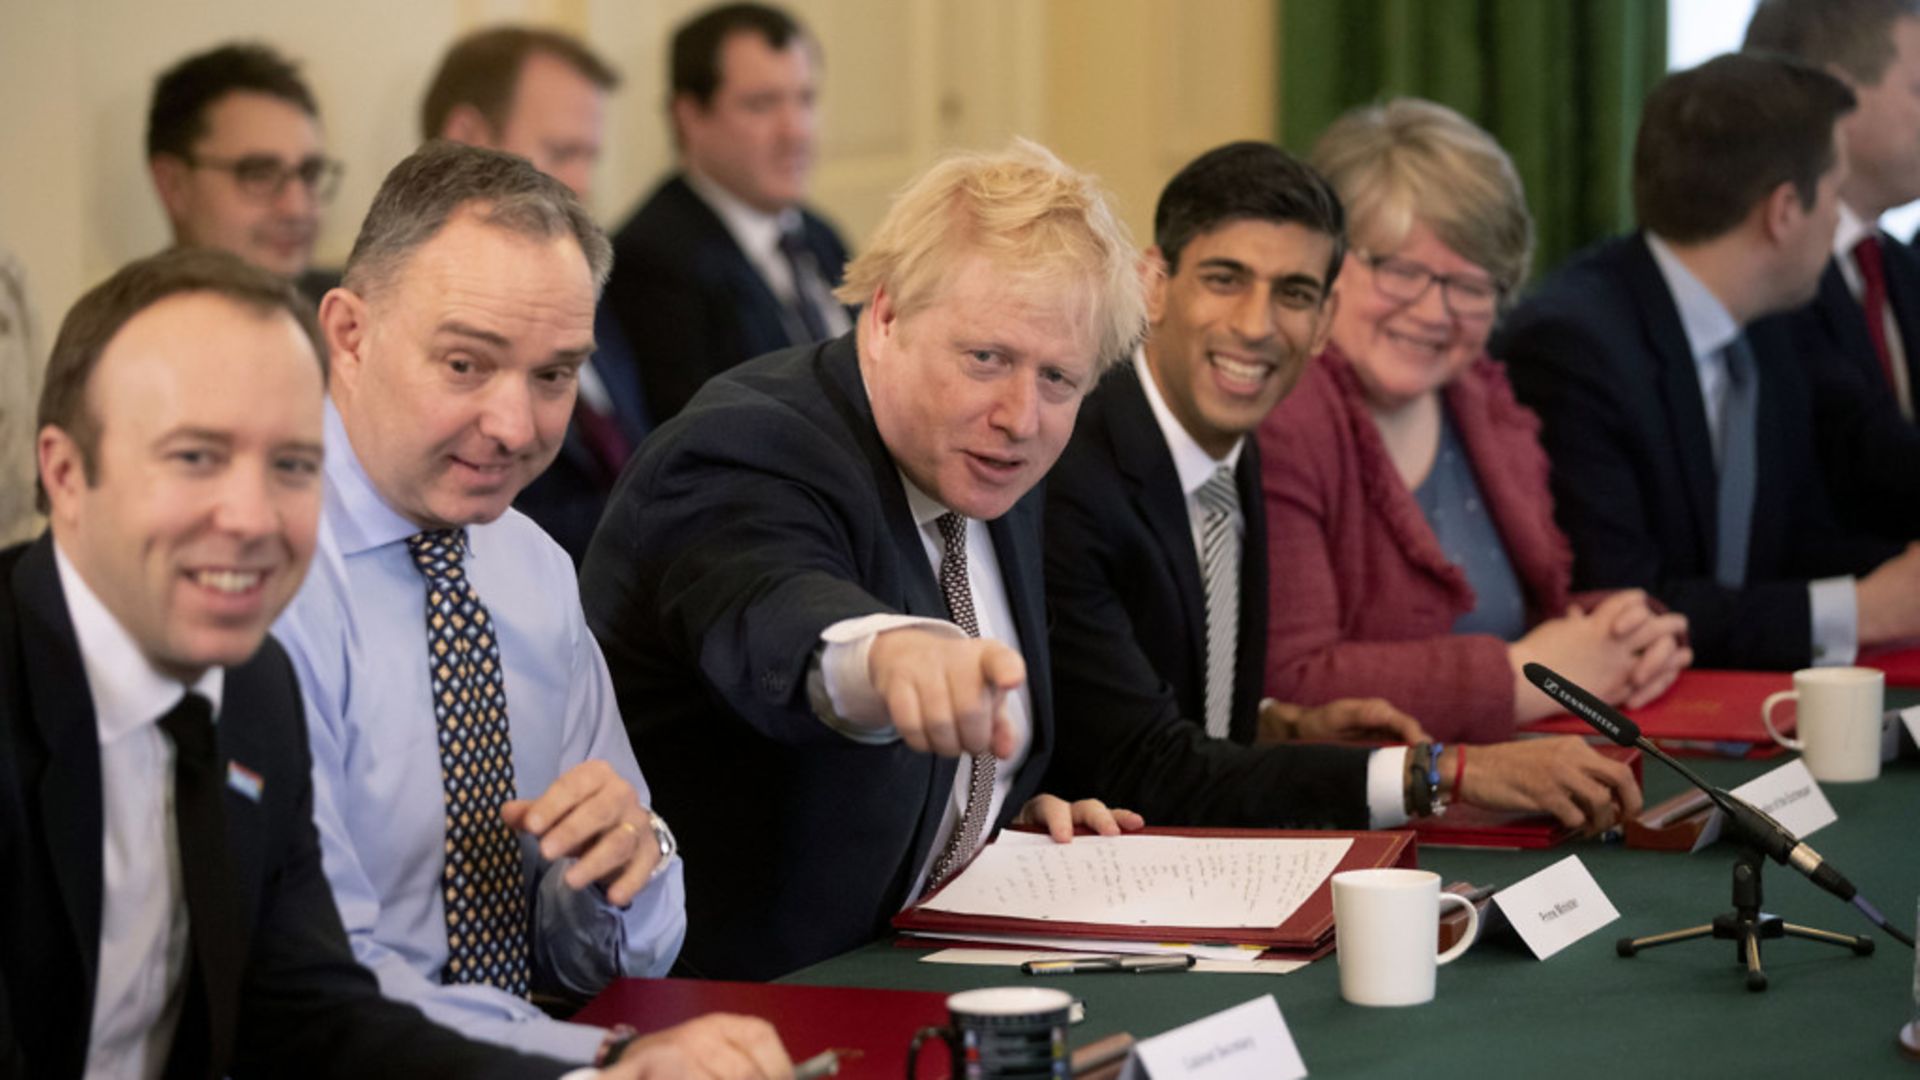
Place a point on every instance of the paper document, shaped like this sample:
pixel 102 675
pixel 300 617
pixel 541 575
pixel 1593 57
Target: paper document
pixel 1015 957
pixel 1197 881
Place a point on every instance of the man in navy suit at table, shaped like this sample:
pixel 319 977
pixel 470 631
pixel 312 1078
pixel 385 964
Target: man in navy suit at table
pixel 1677 422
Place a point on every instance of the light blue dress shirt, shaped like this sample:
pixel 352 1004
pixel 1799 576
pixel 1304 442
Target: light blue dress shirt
pixel 357 636
pixel 1710 328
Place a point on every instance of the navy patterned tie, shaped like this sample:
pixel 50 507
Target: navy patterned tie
pixel 957 589
pixel 481 883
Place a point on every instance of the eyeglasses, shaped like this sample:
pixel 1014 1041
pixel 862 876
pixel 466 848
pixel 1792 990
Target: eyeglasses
pixel 1407 281
pixel 262 177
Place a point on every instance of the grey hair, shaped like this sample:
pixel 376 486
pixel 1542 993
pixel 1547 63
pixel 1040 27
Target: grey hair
pixel 418 197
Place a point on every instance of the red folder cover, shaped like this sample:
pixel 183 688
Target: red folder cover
pixel 878 1023
pixel 1473 826
pixel 1307 929
pixel 1902 665
pixel 1702 707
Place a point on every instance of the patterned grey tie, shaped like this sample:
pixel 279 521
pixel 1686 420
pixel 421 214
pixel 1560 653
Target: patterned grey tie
pixel 1738 437
pixel 958 592
pixel 1219 500
pixel 480 883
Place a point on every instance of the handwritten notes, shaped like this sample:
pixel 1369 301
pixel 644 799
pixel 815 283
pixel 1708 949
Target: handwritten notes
pixel 1143 880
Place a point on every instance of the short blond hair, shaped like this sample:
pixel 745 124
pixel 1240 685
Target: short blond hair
pixel 1412 160
pixel 1043 224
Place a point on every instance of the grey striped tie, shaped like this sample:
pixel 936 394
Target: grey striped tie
pixel 1219 501
pixel 957 589
pixel 1738 435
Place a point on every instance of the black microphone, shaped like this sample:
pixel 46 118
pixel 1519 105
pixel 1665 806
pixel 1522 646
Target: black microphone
pixel 1749 822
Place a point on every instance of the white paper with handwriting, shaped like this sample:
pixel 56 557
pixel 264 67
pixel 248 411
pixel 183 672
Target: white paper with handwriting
pixel 1214 882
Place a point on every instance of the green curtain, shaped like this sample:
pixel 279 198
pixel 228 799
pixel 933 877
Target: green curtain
pixel 1558 82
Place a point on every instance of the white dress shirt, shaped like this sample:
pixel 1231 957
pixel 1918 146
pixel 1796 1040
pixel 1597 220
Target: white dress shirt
pixel 1386 767
pixel 758 235
pixel 143 911
pixel 1710 328
pixel 1851 231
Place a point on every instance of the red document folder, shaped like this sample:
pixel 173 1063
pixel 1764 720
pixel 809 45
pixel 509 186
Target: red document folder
pixel 1309 930
pixel 878 1023
pixel 1901 665
pixel 1474 826
pixel 1702 707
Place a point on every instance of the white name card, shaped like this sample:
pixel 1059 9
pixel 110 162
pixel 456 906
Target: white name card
pixel 1556 907
pixel 1792 797
pixel 1246 1042
pixel 1910 721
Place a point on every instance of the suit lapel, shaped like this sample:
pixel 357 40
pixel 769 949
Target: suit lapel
pixel 759 304
pixel 1846 324
pixel 838 364
pixel 1016 545
pixel 1140 452
pixel 1680 391
pixel 1903 294
pixel 62 708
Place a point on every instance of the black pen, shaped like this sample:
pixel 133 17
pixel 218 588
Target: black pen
pixel 1087 965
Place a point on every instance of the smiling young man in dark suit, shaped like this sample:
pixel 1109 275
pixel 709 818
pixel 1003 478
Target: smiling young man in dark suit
pixel 165 912
pixel 1678 425
pixel 1155 570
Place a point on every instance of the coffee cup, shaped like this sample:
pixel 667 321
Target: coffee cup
pixel 1386 927
pixel 1003 1033
pixel 1837 721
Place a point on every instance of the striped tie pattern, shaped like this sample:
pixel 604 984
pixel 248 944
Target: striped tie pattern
pixel 481 884
pixel 958 592
pixel 1219 500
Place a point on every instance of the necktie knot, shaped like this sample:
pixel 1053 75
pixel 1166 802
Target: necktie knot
pixel 1220 494
pixel 953 532
pixel 437 553
pixel 190 725
pixel 1867 255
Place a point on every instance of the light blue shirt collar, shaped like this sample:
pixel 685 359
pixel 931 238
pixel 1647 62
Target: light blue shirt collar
pixel 1709 326
pixel 360 518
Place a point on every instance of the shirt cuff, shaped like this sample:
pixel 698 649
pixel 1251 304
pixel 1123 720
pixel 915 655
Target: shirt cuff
pixel 1836 622
pixel 839 685
pixel 1387 788
pixel 582 1074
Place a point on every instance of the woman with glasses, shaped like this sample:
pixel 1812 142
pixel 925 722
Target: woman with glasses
pixel 1411 535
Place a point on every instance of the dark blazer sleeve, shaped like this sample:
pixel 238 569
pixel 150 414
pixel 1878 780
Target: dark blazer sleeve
pixel 1592 407
pixel 1121 737
pixel 307 1009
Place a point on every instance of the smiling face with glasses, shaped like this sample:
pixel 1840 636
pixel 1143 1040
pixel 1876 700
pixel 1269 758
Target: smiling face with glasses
pixel 1412 319
pixel 253 184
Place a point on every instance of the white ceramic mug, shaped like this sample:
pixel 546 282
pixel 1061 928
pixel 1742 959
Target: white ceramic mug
pixel 1838 721
pixel 1386 928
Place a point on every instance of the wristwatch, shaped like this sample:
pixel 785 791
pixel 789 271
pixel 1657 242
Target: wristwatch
pixel 663 835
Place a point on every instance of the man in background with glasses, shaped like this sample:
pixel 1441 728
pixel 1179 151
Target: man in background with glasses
pixel 236 153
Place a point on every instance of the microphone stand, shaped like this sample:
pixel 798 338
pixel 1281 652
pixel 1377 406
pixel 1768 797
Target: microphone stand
pixel 1757 833
pixel 1747 926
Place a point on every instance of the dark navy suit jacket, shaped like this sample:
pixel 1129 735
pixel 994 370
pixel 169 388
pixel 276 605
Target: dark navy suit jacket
pixel 1599 352
pixel 765 512
pixel 1130 641
pixel 690 301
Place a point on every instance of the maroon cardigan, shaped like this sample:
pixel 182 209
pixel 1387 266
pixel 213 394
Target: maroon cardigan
pixel 1361 599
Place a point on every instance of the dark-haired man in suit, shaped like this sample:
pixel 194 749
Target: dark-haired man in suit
pixel 1679 428
pixel 1155 571
pixel 165 912
pixel 723 261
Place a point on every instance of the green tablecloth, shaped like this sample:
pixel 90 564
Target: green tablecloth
pixel 1682 1010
